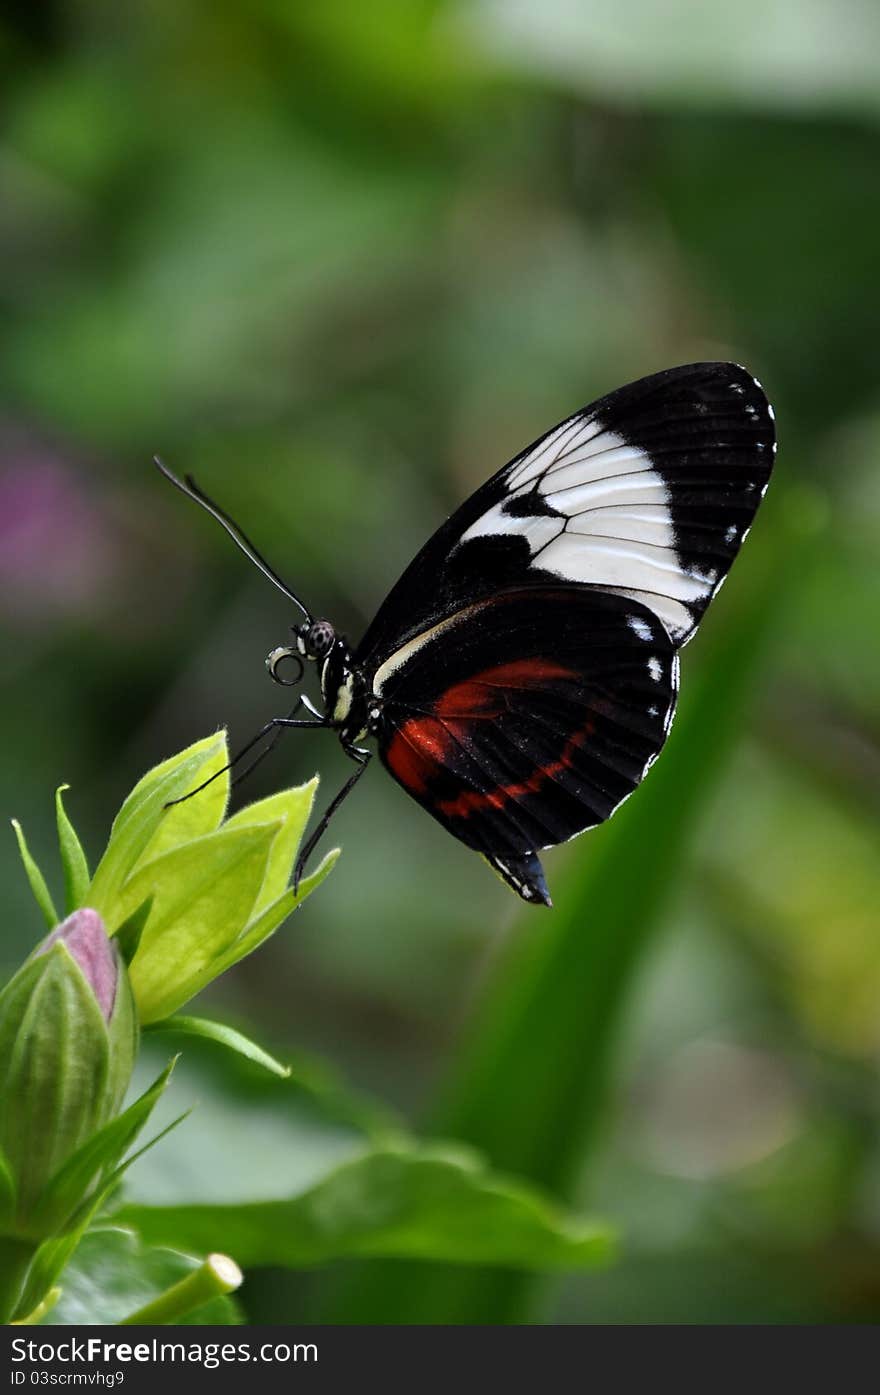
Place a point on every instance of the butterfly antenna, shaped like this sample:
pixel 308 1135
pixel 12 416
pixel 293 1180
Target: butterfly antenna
pixel 189 487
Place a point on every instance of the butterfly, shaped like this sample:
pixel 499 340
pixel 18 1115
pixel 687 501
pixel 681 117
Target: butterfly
pixel 521 677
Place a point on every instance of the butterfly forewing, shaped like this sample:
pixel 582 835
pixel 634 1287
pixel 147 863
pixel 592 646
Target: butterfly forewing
pixel 647 493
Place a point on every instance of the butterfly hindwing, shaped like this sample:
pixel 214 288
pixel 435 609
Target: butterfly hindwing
pixel 528 718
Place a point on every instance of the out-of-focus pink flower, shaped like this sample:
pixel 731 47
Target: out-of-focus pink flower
pixel 53 550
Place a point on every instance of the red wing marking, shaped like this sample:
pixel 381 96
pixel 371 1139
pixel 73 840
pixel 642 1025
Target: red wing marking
pixel 474 697
pixel 420 748
pixel 469 801
pixel 416 750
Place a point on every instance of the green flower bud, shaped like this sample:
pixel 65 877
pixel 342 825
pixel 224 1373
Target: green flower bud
pixel 68 1037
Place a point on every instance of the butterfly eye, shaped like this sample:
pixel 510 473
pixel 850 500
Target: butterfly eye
pixel 320 639
pixel 285 656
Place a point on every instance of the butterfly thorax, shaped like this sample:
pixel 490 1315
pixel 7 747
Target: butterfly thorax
pixel 344 690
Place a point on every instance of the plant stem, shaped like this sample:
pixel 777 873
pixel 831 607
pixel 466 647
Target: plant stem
pixel 217 1275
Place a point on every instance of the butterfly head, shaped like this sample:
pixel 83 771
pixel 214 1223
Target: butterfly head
pixel 341 683
pixel 314 640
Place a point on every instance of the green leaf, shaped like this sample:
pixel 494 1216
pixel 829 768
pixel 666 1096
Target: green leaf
pixel 251 1125
pixel 111 1182
pixel 54 1254
pixel 114 1272
pixel 73 859
pixel 421 1202
pixel 274 916
pixel 97 1156
pixel 44 1307
pixel 144 816
pixel 203 894
pixel 48 1263
pixel 291 808
pixel 197 816
pixel 225 1036
pixel 17 1257
pixel 7 1193
pixel 128 936
pixel 37 881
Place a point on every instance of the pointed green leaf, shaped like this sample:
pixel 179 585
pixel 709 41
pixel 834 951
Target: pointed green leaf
pixel 274 916
pixel 203 894
pixel 115 1177
pixel 54 1254
pixel 128 936
pixel 73 859
pixel 197 816
pixel 225 1036
pixel 144 814
pixel 7 1193
pixel 292 807
pixel 17 1257
pixel 50 1259
pixel 425 1202
pixel 37 881
pixel 97 1156
pixel 42 1309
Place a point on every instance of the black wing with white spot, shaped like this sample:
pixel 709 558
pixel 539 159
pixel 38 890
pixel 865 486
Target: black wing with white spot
pixel 646 494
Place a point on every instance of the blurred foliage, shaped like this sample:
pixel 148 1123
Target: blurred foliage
pixel 340 262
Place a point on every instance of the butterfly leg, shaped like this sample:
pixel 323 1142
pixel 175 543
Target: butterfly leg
pixel 277 725
pixel 363 759
pixel 280 725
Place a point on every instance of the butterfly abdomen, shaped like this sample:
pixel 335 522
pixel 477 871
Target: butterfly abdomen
pixel 525 875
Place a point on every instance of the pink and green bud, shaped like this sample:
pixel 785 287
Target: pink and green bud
pixel 87 942
pixel 68 1037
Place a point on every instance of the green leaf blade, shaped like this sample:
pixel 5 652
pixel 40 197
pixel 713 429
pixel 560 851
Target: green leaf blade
pixel 145 825
pixel 203 893
pixel 416 1202
pixel 73 859
pixel 7 1193
pixel 37 881
pixel 274 916
pixel 98 1155
pixel 224 1036
pixel 291 809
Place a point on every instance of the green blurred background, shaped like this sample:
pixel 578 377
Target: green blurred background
pixel 340 261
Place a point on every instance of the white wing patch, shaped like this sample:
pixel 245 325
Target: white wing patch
pixel 611 525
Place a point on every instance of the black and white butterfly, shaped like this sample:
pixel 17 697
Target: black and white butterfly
pixel 520 678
